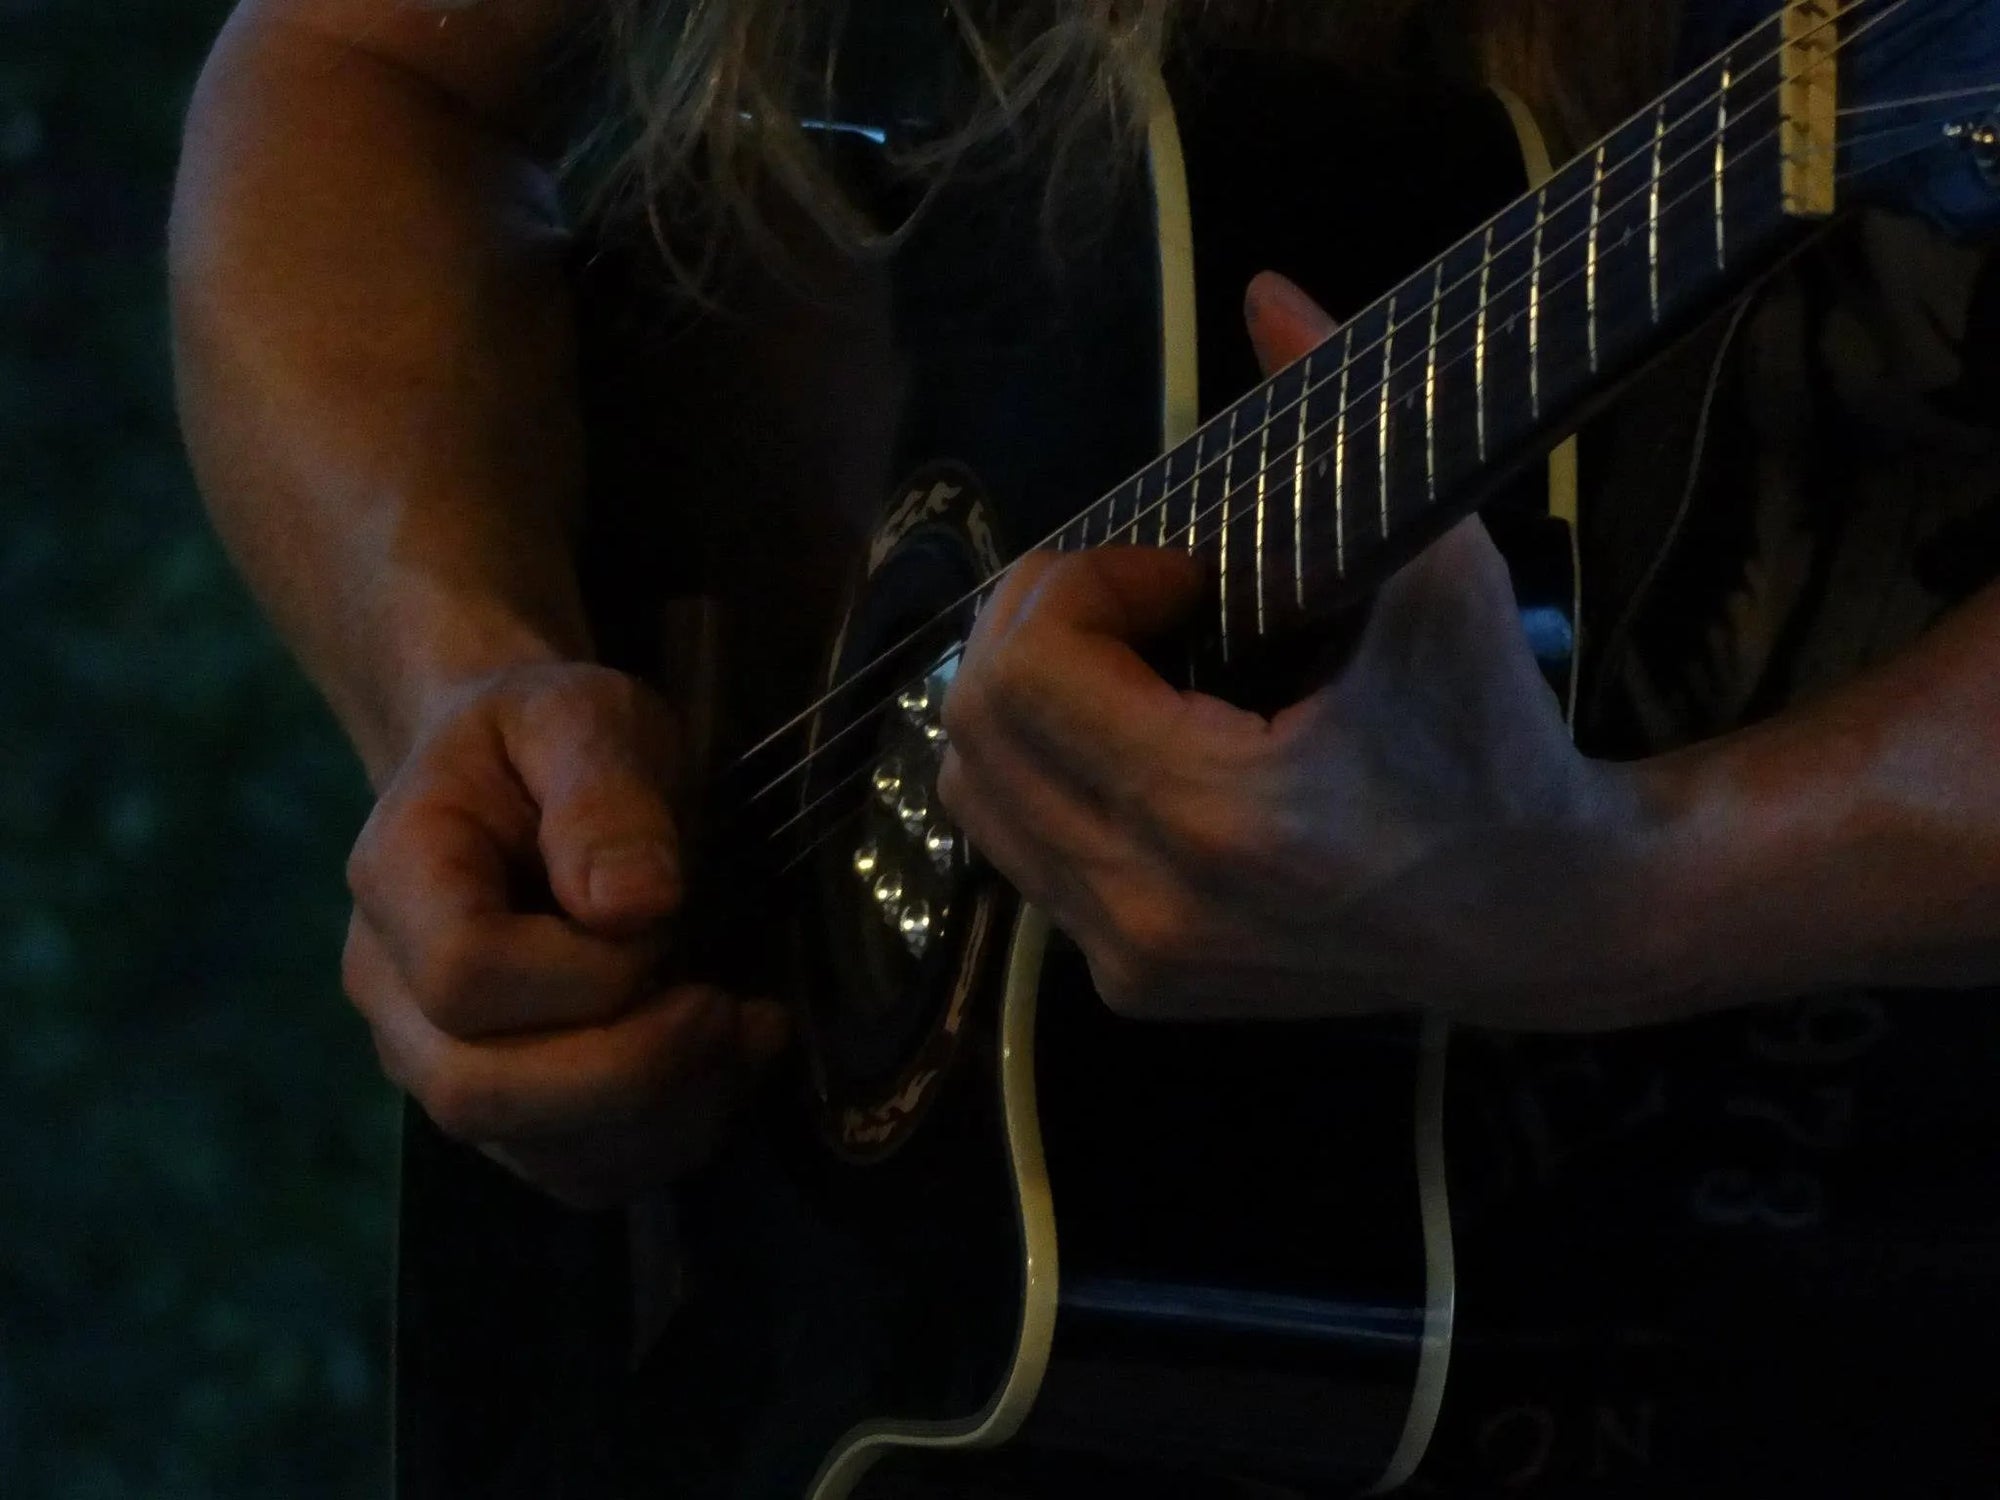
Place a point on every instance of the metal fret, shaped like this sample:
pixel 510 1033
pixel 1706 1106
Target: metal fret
pixel 1299 489
pixel 1263 475
pixel 1431 388
pixel 1653 207
pixel 1535 309
pixel 1166 490
pixel 1340 460
pixel 1479 340
pixel 1590 258
pixel 1228 468
pixel 1382 421
pixel 1194 487
pixel 1721 136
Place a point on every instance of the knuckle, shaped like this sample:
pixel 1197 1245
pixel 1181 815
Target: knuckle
pixel 1066 569
pixel 1109 978
pixel 393 829
pixel 1014 680
pixel 1207 837
pixel 1021 579
pixel 391 1062
pixel 1118 985
pixel 1153 936
pixel 602 702
pixel 960 714
pixel 577 700
pixel 951 787
pixel 608 733
pixel 364 859
pixel 566 712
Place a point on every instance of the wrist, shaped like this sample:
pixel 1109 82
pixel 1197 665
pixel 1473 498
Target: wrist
pixel 1612 889
pixel 1663 894
pixel 1739 894
pixel 449 649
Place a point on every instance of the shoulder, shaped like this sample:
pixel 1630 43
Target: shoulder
pixel 490 56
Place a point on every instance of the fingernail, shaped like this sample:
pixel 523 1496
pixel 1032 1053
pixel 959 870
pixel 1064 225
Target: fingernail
pixel 633 874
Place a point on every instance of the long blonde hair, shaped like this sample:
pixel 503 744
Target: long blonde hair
pixel 704 133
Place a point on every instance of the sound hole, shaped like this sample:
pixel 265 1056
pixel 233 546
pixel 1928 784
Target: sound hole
pixel 892 872
pixel 903 863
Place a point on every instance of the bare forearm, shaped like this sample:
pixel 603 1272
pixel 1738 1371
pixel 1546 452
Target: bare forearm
pixel 1853 840
pixel 375 371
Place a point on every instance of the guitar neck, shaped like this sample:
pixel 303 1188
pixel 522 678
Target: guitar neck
pixel 1318 483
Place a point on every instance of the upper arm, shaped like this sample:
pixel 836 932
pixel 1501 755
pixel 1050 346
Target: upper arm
pixel 488 57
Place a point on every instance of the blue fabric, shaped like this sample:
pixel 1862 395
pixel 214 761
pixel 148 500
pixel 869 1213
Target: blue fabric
pixel 1897 157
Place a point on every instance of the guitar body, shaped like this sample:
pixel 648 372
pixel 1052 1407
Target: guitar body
pixel 976 1211
pixel 1135 1239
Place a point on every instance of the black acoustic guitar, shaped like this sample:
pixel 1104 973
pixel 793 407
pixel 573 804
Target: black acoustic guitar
pixel 978 1210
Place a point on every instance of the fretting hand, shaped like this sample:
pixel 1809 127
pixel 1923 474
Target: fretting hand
pixel 1419 831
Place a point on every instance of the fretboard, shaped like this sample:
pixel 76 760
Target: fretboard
pixel 1314 486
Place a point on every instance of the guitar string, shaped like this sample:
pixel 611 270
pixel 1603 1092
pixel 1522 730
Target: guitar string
pixel 1224 455
pixel 860 720
pixel 866 716
pixel 1363 406
pixel 1932 139
pixel 1934 129
pixel 1363 398
pixel 822 838
pixel 1941 97
pixel 807 811
pixel 1168 495
pixel 1108 502
pixel 1366 396
pixel 1204 539
pixel 1363 423
pixel 800 718
pixel 816 841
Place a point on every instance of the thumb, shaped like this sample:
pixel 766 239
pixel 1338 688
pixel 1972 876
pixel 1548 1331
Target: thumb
pixel 607 836
pixel 1285 324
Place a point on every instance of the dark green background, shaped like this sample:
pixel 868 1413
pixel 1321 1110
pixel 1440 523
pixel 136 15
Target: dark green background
pixel 196 1152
